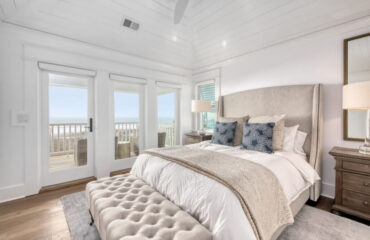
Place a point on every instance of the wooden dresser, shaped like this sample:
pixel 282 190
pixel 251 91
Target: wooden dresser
pixel 194 137
pixel 352 182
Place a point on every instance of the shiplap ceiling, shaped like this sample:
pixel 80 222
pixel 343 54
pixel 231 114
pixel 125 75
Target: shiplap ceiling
pixel 100 22
pixel 243 25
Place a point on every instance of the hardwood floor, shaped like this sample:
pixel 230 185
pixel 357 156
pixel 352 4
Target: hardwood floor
pixel 41 217
pixel 38 217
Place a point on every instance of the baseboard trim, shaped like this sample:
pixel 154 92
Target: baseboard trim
pixel 66 185
pixel 123 171
pixel 328 190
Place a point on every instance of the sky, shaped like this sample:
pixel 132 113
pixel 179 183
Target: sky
pixel 68 105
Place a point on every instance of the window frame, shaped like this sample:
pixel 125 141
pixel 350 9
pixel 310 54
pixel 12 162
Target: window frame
pixel 177 90
pixel 118 164
pixel 198 117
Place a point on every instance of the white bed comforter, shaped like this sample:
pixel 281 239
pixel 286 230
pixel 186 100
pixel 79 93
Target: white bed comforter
pixel 213 204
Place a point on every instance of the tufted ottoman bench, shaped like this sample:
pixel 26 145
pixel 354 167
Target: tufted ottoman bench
pixel 126 208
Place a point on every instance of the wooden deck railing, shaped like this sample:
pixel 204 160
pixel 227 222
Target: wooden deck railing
pixel 64 136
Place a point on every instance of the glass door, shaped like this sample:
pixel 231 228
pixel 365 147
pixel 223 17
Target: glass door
pixel 126 120
pixel 69 127
pixel 167 101
pixel 128 125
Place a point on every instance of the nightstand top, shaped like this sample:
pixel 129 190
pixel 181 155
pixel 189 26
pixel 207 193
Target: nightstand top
pixel 348 152
pixel 195 134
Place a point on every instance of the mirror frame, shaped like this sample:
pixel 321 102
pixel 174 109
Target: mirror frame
pixel 345 82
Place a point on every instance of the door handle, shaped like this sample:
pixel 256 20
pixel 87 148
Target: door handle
pixel 90 127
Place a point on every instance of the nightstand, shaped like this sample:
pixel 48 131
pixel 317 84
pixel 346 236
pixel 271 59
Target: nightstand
pixel 194 137
pixel 352 182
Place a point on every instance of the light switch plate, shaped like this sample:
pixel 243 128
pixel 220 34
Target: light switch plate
pixel 19 118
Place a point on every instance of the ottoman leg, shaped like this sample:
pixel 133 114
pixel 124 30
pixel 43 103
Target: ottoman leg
pixel 92 219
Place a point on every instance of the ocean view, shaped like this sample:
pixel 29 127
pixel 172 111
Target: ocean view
pixel 125 120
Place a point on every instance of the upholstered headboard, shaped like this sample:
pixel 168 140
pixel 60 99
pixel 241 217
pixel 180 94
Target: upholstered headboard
pixel 302 105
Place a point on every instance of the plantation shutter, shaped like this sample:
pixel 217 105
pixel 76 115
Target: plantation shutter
pixel 207 92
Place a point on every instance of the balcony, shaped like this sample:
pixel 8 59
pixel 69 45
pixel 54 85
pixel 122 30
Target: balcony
pixel 68 145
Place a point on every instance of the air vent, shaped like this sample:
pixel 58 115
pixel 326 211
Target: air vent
pixel 131 24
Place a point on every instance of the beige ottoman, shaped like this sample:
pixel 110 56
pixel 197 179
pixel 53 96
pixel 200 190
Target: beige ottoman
pixel 126 208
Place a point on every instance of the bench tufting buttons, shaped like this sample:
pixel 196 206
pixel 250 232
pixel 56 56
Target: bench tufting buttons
pixel 134 210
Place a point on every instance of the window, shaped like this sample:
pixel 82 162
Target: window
pixel 126 120
pixel 207 91
pixel 167 116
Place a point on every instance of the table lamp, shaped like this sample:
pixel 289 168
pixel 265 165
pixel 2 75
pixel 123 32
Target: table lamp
pixel 356 96
pixel 201 106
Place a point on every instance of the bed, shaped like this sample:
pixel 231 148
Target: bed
pixel 213 204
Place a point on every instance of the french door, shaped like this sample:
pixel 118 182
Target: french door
pixel 168 116
pixel 128 108
pixel 68 127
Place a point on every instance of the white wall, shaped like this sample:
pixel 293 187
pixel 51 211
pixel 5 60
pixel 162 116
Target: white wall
pixel 20 51
pixel 315 58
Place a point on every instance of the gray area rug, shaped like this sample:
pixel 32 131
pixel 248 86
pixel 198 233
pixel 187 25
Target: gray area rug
pixel 310 223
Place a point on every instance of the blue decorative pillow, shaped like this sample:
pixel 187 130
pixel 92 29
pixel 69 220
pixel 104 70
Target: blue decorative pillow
pixel 258 136
pixel 224 133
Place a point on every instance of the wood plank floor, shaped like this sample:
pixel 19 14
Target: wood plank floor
pixel 38 217
pixel 41 216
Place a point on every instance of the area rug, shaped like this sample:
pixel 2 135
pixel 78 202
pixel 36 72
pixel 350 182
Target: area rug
pixel 310 223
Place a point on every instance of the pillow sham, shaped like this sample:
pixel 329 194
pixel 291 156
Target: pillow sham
pixel 239 127
pixel 278 136
pixel 258 137
pixel 300 138
pixel 224 133
pixel 289 138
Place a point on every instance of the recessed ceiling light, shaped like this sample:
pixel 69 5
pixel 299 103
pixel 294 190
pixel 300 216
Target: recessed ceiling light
pixel 224 43
pixel 174 38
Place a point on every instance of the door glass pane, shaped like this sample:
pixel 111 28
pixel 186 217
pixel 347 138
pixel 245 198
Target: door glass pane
pixel 126 120
pixel 166 116
pixel 68 119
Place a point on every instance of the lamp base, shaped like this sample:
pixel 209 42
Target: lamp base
pixel 365 149
pixel 201 132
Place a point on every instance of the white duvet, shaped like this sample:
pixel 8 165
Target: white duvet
pixel 213 204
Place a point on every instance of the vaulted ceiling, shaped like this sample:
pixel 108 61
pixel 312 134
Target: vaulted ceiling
pixel 211 31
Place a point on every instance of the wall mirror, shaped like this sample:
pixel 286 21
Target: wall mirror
pixel 356 69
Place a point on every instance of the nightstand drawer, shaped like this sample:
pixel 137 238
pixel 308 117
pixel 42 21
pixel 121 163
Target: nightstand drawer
pixel 356 201
pixel 356 167
pixel 356 182
pixel 191 140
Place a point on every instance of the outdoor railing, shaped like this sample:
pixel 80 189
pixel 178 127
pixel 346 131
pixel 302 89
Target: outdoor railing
pixel 169 129
pixel 64 136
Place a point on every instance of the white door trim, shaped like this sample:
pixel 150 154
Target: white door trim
pixel 70 174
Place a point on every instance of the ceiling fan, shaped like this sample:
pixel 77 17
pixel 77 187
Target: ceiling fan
pixel 180 10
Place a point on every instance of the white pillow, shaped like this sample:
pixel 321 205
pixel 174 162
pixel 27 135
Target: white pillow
pixel 289 138
pixel 300 138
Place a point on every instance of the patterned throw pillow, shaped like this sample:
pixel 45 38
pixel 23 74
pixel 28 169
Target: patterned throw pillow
pixel 224 133
pixel 239 127
pixel 258 137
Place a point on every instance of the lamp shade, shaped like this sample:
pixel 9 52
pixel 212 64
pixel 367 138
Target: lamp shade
pixel 356 96
pixel 201 106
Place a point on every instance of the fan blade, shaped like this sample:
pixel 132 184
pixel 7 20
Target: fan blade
pixel 180 10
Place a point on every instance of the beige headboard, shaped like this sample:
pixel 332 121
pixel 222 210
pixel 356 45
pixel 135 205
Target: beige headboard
pixel 302 105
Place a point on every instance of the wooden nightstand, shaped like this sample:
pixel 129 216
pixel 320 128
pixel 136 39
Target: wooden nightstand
pixel 352 182
pixel 194 137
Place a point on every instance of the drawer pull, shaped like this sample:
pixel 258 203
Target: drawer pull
pixel 366 184
pixel 366 203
